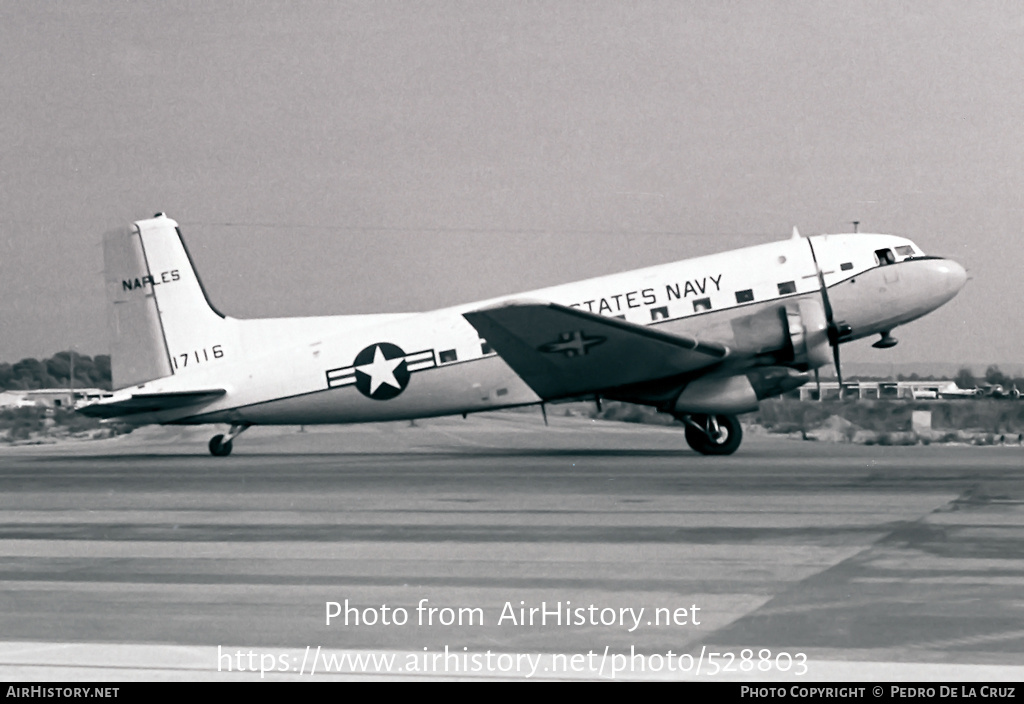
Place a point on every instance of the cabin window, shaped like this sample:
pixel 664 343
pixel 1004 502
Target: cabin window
pixel 701 305
pixel 787 287
pixel 502 392
pixel 745 296
pixel 885 257
pixel 905 251
pixel 485 348
pixel 447 356
pixel 846 266
pixel 659 313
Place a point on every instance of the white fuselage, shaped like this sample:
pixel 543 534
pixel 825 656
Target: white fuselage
pixel 332 369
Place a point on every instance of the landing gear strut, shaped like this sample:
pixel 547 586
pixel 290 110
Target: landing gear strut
pixel 221 446
pixel 713 435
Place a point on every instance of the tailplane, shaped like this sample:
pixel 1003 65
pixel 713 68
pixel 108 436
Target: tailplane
pixel 161 322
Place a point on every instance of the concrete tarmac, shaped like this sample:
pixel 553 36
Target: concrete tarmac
pixel 497 547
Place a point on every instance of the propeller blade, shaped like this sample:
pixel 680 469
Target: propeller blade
pixel 834 331
pixel 829 318
pixel 839 369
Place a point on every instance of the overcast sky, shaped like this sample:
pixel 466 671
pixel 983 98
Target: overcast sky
pixel 343 157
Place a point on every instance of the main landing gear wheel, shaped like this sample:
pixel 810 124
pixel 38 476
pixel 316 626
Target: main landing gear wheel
pixel 220 446
pixel 714 435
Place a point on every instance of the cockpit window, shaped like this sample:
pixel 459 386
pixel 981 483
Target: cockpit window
pixel 885 257
pixel 905 251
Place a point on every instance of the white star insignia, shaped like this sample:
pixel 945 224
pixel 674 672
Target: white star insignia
pixel 381 370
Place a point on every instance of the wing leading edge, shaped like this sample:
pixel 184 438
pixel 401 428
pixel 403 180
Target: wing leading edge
pixel 563 352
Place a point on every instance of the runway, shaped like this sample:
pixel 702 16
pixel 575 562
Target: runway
pixel 142 557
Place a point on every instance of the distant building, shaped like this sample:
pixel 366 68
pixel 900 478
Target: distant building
pixel 14 399
pixel 916 390
pixel 50 398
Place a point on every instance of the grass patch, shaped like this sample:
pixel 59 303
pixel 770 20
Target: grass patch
pixel 893 416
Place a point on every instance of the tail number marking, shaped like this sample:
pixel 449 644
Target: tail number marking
pixel 197 356
pixel 165 277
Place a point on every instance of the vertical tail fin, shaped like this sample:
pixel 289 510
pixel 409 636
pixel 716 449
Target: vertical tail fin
pixel 160 320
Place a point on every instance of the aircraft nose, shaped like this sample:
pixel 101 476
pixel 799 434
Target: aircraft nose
pixel 951 275
pixel 940 280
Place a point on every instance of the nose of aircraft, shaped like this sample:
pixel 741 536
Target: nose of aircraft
pixel 949 277
pixel 892 297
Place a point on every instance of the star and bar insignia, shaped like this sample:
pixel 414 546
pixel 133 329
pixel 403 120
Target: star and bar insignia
pixel 381 371
pixel 572 344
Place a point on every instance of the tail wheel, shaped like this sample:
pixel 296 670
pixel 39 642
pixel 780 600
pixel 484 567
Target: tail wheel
pixel 714 435
pixel 218 447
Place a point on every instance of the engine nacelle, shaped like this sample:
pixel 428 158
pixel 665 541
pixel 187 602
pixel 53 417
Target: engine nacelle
pixel 793 334
pixel 807 330
pixel 775 381
pixel 789 340
pixel 739 393
pixel 717 394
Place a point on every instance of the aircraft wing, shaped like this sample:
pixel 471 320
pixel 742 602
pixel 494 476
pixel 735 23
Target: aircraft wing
pixel 148 403
pixel 563 352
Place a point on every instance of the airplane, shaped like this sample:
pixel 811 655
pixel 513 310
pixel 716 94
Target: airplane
pixel 952 391
pixel 1000 391
pixel 703 339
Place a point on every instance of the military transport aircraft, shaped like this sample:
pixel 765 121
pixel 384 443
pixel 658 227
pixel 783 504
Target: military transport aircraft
pixel 703 339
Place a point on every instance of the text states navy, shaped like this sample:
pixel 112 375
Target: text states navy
pixel 724 281
pixel 616 303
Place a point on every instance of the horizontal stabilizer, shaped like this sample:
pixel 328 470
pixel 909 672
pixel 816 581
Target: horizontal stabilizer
pixel 149 403
pixel 563 352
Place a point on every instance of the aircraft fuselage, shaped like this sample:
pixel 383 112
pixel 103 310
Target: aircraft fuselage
pixel 349 369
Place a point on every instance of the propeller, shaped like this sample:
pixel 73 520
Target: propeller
pixel 835 330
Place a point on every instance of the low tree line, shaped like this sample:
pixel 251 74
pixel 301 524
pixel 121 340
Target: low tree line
pixel 55 372
pixel 965 378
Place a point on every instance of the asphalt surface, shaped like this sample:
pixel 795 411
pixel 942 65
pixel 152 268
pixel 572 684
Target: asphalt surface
pixel 142 557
